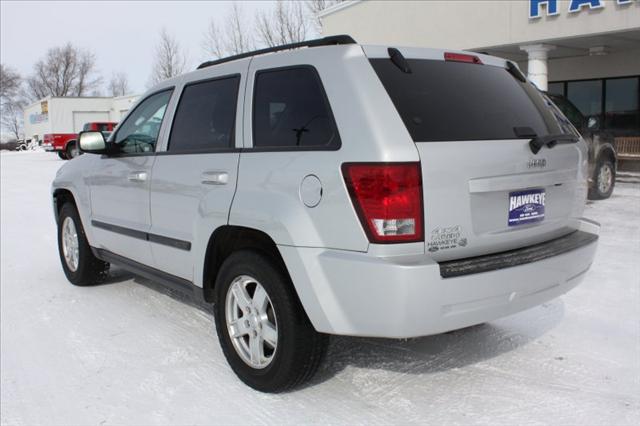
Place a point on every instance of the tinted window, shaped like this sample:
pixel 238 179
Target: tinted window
pixel 290 110
pixel 569 110
pixel 139 132
pixel 451 101
pixel 586 95
pixel 556 89
pixel 205 116
pixel 621 104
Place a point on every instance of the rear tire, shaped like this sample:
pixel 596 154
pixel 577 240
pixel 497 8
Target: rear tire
pixel 299 349
pixel 80 266
pixel 62 155
pixel 604 179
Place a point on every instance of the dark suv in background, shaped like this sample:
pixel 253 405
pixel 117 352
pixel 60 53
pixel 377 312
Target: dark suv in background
pixel 602 153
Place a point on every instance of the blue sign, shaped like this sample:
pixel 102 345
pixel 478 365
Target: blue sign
pixel 551 6
pixel 526 206
pixel 36 118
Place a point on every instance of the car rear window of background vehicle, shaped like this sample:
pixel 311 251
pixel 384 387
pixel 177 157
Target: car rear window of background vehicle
pixel 205 117
pixel 454 101
pixel 290 110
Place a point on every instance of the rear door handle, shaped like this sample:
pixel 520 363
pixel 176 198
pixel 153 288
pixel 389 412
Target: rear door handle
pixel 215 177
pixel 138 176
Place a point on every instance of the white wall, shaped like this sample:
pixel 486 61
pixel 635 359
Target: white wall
pixel 583 67
pixel 472 24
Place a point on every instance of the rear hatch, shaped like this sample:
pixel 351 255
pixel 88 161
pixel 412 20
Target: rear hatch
pixel 472 119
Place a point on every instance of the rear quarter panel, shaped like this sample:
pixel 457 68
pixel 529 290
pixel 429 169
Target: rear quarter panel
pixel 268 194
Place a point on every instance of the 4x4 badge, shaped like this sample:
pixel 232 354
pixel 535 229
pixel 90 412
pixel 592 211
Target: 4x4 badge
pixel 537 163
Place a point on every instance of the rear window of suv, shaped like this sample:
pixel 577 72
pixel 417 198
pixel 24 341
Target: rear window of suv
pixel 455 101
pixel 291 111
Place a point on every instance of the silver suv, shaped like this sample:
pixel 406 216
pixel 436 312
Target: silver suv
pixel 331 188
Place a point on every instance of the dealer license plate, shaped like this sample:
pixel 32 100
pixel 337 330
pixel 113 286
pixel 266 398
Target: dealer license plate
pixel 526 206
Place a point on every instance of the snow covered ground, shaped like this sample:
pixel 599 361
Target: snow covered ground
pixel 124 353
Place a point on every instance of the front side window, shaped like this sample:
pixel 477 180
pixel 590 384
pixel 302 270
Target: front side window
pixel 290 110
pixel 205 117
pixel 139 132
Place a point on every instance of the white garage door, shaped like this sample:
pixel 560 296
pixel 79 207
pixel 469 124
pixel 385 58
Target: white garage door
pixel 82 117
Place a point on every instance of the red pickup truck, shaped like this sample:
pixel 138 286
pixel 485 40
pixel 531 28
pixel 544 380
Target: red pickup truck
pixel 65 143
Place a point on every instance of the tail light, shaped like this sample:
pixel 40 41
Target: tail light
pixel 461 57
pixel 388 200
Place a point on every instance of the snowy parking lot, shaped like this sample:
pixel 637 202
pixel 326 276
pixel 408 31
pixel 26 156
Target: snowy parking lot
pixel 125 353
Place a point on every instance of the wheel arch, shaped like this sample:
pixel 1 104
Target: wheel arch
pixel 70 141
pixel 607 151
pixel 60 197
pixel 228 239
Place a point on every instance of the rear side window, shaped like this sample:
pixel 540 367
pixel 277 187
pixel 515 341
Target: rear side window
pixel 205 117
pixel 455 101
pixel 290 110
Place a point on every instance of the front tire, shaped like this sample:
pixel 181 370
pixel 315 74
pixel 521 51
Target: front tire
pixel 80 266
pixel 264 332
pixel 62 155
pixel 604 179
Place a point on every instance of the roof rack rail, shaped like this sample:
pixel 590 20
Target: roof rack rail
pixel 325 41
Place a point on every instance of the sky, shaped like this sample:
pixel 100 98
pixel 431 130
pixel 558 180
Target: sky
pixel 122 34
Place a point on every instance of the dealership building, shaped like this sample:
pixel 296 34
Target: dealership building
pixel 69 114
pixel 586 50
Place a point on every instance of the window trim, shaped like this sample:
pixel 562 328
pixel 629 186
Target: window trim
pixel 232 142
pixel 114 136
pixel 325 99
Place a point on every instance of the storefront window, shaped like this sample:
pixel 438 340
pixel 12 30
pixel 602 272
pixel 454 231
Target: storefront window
pixel 586 95
pixel 621 104
pixel 556 89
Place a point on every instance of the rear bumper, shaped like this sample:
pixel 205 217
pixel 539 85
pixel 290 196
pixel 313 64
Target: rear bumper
pixel 351 293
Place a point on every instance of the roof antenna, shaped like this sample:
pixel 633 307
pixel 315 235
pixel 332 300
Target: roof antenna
pixel 399 60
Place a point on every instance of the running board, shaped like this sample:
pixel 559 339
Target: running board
pixel 172 283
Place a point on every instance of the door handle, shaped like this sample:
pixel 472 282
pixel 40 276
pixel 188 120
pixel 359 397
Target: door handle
pixel 137 176
pixel 215 177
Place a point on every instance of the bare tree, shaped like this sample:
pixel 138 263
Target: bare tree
pixel 118 85
pixel 11 118
pixel 212 44
pixel 11 101
pixel 170 59
pixel 285 24
pixel 235 37
pixel 317 6
pixel 9 84
pixel 64 71
pixel 240 36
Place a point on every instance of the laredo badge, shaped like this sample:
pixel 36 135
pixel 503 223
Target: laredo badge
pixel 446 238
pixel 526 206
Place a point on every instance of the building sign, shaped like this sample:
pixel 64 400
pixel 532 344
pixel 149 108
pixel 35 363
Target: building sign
pixel 43 116
pixel 575 6
pixel 36 118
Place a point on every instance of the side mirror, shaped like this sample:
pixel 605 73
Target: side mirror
pixel 593 123
pixel 92 142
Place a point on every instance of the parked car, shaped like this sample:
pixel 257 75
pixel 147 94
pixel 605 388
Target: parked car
pixel 330 188
pixel 601 144
pixel 64 144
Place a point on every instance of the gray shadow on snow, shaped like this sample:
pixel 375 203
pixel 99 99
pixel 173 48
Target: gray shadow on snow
pixel 442 352
pixel 417 356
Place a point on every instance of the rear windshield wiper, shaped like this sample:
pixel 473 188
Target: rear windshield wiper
pixel 550 141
